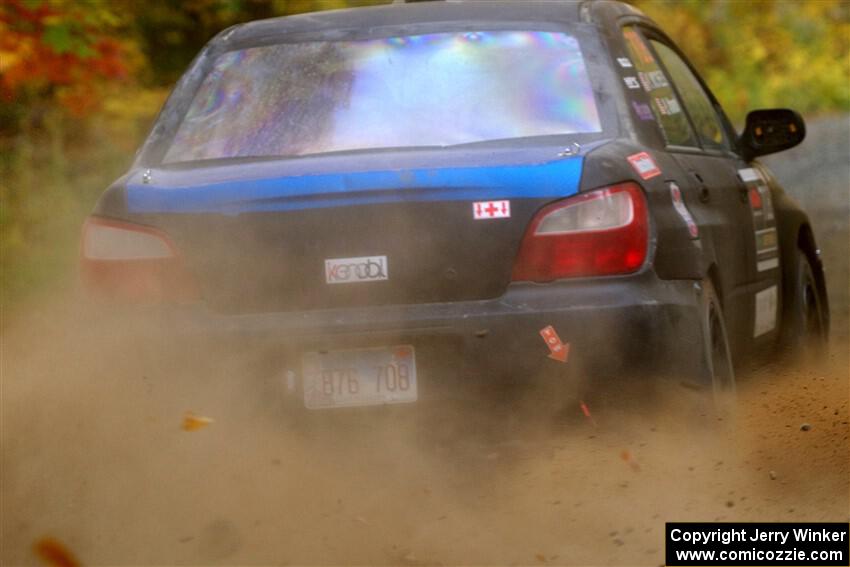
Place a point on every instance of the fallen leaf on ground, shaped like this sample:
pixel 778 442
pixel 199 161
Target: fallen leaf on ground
pixel 192 422
pixel 586 411
pixel 627 456
pixel 54 553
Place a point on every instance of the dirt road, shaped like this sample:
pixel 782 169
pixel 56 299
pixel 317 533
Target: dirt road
pixel 94 455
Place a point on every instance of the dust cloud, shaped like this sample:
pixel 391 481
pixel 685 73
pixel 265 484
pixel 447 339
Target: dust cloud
pixel 96 455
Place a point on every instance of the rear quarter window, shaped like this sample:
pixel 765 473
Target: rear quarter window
pixel 664 102
pixel 695 99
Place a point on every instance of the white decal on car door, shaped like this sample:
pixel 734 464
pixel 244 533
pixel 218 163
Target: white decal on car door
pixel 766 303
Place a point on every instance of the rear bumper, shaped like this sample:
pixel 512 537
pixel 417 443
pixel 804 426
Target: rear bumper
pixel 614 326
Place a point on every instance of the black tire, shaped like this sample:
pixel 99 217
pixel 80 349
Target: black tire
pixel 718 368
pixel 805 326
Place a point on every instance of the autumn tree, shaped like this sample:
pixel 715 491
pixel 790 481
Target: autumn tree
pixel 58 54
pixel 764 53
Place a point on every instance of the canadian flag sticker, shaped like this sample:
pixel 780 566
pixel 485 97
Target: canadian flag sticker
pixel 491 210
pixel 644 165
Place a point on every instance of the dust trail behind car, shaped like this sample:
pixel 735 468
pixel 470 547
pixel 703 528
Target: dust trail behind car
pixel 95 456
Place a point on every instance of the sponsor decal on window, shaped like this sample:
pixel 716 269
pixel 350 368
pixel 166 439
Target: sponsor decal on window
pixel 668 105
pixel 638 46
pixel 643 111
pixel 653 80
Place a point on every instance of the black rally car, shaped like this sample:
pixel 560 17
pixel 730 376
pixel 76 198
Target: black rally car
pixel 394 200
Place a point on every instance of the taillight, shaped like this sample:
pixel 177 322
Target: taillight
pixel 132 262
pixel 598 233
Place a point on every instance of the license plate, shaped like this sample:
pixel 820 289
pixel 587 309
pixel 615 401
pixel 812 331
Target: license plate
pixel 359 377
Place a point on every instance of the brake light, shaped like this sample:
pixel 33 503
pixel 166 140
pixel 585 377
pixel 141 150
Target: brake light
pixel 132 262
pixel 599 233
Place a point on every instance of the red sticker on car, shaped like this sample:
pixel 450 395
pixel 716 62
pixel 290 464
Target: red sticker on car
pixel 755 198
pixel 682 209
pixel 491 210
pixel 644 165
pixel 557 350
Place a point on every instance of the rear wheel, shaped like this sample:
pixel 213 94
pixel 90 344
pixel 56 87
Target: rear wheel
pixel 805 326
pixel 719 371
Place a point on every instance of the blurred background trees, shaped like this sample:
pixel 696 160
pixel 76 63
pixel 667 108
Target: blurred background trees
pixel 81 81
pixel 764 53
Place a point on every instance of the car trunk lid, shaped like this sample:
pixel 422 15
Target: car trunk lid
pixel 353 230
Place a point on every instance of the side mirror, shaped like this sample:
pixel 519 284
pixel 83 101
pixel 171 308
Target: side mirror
pixel 770 131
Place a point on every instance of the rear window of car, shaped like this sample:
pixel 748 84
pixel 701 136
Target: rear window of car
pixel 437 89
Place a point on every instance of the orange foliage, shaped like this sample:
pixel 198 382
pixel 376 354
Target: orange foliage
pixel 58 50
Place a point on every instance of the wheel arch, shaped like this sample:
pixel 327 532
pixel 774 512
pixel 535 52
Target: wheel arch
pixel 795 233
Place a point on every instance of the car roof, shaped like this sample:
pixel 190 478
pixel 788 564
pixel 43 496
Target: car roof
pixel 411 13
